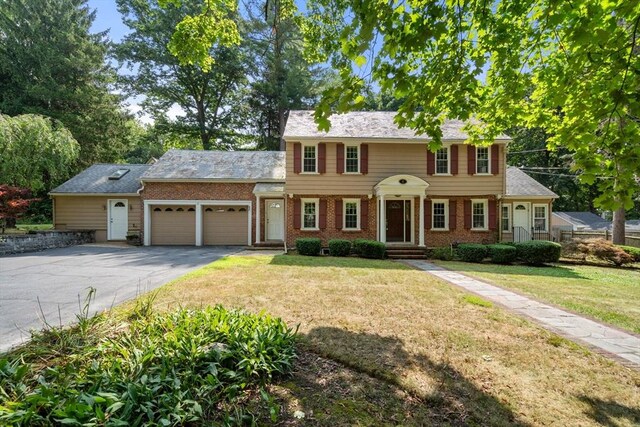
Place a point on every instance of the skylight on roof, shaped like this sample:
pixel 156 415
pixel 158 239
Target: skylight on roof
pixel 118 174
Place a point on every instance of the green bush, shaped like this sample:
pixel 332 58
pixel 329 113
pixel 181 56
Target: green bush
pixel 444 253
pixel 634 252
pixel 309 246
pixel 371 249
pixel 501 254
pixel 181 368
pixel 471 252
pixel 339 247
pixel 357 246
pixel 538 252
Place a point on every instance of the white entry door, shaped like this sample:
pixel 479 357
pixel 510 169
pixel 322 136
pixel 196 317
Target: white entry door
pixel 521 226
pixel 275 219
pixel 118 218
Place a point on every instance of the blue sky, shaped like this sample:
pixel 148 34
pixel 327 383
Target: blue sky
pixel 108 18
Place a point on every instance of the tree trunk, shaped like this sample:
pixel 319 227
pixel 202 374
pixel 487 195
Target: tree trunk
pixel 618 226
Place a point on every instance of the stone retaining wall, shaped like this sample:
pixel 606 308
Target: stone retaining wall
pixel 13 244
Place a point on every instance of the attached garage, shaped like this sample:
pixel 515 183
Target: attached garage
pixel 173 225
pixel 225 225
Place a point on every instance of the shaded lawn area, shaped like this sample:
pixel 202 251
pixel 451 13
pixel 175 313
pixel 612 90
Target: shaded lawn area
pixel 382 344
pixel 608 294
pixel 24 228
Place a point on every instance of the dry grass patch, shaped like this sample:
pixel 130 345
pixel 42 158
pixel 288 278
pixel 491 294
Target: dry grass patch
pixel 467 364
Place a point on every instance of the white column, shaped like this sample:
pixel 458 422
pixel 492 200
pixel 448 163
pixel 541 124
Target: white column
pixel 383 220
pixel 257 219
pixel 250 231
pixel 421 225
pixel 147 224
pixel 198 224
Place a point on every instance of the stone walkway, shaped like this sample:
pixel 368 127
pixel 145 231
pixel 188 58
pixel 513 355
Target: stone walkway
pixel 603 339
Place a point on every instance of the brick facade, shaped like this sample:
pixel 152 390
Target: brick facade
pixel 432 238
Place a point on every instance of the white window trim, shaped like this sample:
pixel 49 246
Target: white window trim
pixel 345 159
pixel 485 202
pixel 302 171
pixel 317 203
pixel 488 160
pixel 446 214
pixel 344 214
pixel 435 160
pixel 506 205
pixel 546 216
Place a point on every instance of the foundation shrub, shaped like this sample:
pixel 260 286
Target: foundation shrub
pixel 371 249
pixel 309 246
pixel 501 254
pixel 471 252
pixel 538 252
pixel 339 247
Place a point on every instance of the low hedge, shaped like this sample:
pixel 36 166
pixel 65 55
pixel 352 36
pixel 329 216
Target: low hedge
pixel 501 254
pixel 309 246
pixel 538 252
pixel 634 252
pixel 370 248
pixel 472 252
pixel 357 246
pixel 339 247
pixel 443 254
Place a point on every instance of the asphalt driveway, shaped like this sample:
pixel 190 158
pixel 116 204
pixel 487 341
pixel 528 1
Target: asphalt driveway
pixel 58 276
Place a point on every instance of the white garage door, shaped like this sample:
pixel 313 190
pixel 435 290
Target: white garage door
pixel 225 225
pixel 173 225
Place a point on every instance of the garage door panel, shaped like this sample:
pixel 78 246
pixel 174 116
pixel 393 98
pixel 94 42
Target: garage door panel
pixel 225 225
pixel 173 225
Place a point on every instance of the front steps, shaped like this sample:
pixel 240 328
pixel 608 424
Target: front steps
pixel 406 252
pixel 276 246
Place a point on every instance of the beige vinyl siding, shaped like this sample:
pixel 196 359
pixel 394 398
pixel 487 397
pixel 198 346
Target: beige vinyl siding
pixel 388 159
pixel 90 213
pixel 173 227
pixel 225 227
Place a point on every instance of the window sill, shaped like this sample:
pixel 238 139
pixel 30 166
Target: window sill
pixel 483 174
pixel 309 173
pixel 439 230
pixel 309 229
pixel 480 229
pixel 351 173
pixel 351 230
pixel 442 174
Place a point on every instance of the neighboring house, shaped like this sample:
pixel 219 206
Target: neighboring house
pixel 365 178
pixel 588 221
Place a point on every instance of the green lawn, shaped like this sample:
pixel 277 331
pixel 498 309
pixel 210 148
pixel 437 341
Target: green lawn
pixel 607 294
pixel 383 344
pixel 24 228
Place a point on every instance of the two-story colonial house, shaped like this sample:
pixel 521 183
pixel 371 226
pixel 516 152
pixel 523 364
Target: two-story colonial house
pixel 365 178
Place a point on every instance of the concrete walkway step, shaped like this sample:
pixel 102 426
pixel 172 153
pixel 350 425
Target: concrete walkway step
pixel 609 341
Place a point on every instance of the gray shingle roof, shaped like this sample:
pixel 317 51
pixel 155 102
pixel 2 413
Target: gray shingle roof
pixel 521 184
pixel 588 220
pixel 95 179
pixel 219 165
pixel 263 187
pixel 365 124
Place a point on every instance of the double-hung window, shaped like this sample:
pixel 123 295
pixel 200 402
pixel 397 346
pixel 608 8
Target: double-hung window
pixel 442 161
pixel 352 159
pixel 439 215
pixel 540 217
pixel 310 214
pixel 506 218
pixel 351 209
pixel 482 160
pixel 310 159
pixel 479 215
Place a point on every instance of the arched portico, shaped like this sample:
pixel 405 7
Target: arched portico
pixel 389 192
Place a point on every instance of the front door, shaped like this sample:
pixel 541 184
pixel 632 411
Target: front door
pixel 398 214
pixel 521 222
pixel 117 220
pixel 275 219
